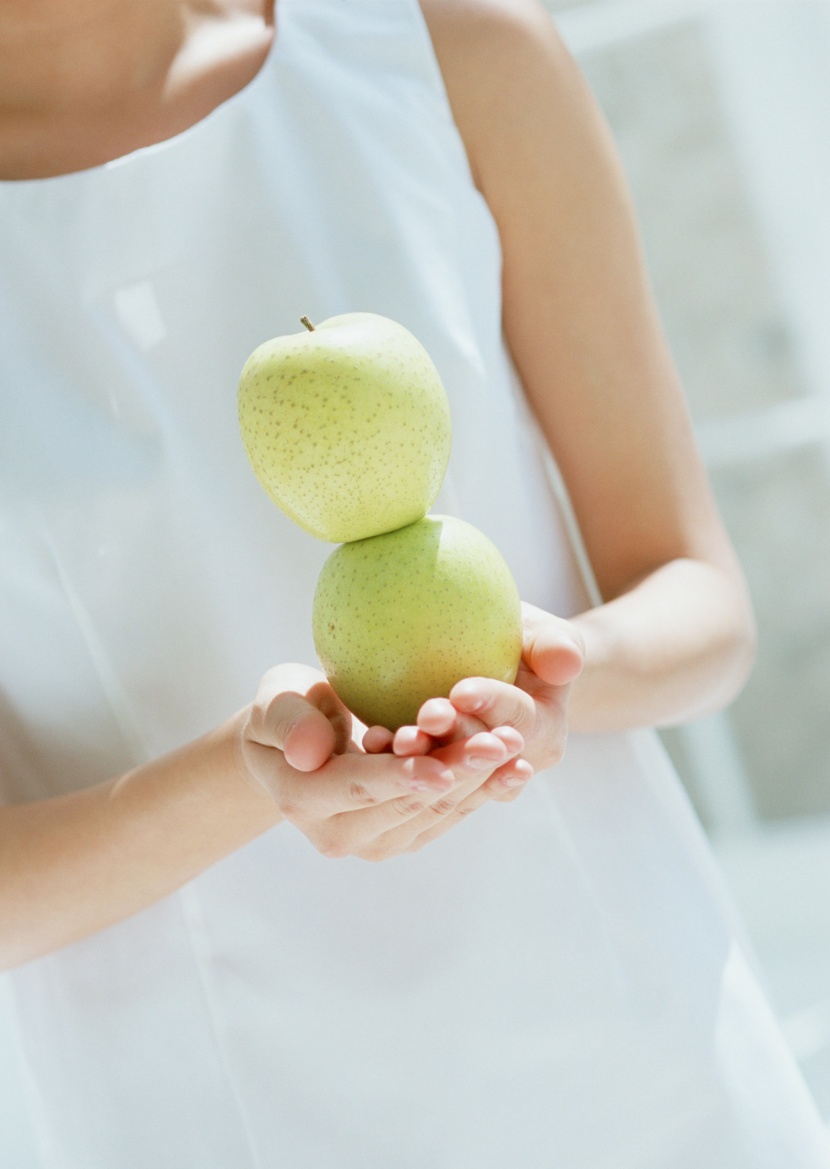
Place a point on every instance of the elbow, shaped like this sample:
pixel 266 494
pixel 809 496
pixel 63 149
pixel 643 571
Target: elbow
pixel 726 663
pixel 748 645
pixel 746 650
pixel 739 653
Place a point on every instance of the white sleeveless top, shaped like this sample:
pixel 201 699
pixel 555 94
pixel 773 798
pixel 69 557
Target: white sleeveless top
pixel 556 983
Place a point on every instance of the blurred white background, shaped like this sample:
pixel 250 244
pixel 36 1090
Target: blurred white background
pixel 721 110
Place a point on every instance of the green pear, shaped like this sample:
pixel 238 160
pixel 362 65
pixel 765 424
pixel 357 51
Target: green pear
pixel 401 617
pixel 346 425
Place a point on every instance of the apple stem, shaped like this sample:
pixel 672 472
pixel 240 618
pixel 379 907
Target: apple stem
pixel 305 321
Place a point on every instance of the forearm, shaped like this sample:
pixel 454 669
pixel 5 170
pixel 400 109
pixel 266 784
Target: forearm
pixel 75 864
pixel 676 646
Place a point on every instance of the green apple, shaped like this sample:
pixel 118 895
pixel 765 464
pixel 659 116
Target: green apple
pixel 346 425
pixel 401 617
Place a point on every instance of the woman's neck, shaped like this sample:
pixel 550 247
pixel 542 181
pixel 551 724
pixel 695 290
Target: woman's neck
pixel 84 82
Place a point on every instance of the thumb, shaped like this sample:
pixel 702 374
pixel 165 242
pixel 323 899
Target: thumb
pixel 551 647
pixel 300 715
pixel 296 727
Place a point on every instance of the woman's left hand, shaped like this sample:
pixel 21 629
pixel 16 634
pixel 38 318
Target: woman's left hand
pixel 536 706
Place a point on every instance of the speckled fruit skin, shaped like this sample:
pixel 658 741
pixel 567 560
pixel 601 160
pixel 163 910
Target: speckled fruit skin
pixel 402 617
pixel 347 427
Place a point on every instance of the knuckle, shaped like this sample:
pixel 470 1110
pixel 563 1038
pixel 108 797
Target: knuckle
pixel 444 807
pixel 525 720
pixel 375 853
pixel 359 794
pixel 289 809
pixel 331 846
pixel 275 720
pixel 557 751
pixel 255 724
pixel 246 732
pixel 407 806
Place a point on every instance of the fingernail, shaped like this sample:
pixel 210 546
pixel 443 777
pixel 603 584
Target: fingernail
pixel 479 764
pixel 520 773
pixel 514 780
pixel 512 740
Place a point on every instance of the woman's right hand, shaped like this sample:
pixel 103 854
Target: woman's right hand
pixel 301 744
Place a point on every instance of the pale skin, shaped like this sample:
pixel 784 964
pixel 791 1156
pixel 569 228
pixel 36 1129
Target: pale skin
pixel 673 638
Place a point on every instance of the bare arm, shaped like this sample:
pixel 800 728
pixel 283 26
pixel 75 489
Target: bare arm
pixel 77 863
pixel 675 635
pixel 73 865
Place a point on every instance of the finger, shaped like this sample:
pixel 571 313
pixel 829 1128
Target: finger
pixel 437 716
pixel 271 719
pixel 439 819
pixel 551 646
pixel 412 741
pixel 296 727
pixel 377 739
pixel 404 825
pixel 352 783
pixel 496 704
pixel 401 824
pixel 512 739
pixel 483 751
pixel 398 825
pixel 324 698
pixel 351 817
pixel 374 827
pixel 503 782
pixel 504 785
pixel 508 782
pixel 467 763
pixel 441 720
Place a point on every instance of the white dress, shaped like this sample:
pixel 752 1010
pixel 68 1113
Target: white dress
pixel 556 983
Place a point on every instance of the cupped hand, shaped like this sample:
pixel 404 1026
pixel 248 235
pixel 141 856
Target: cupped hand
pixel 535 706
pixel 302 745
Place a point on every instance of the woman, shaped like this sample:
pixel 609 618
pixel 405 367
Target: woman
pixel 191 981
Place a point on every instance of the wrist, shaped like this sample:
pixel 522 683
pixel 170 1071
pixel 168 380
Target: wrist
pixel 246 789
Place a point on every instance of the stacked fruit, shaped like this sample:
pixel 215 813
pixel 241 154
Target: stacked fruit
pixel 347 427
